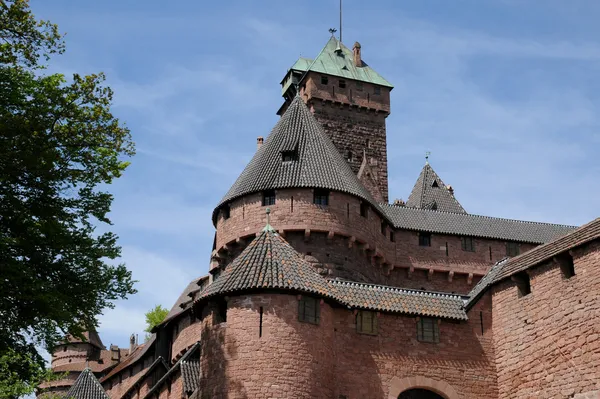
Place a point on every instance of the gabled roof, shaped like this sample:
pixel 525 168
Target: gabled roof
pixel 543 253
pixel 193 349
pixel 268 262
pixel 510 266
pixel 185 299
pixel 430 192
pixel 318 163
pixel 86 387
pixel 473 225
pixel 340 63
pixel 140 377
pixel 394 299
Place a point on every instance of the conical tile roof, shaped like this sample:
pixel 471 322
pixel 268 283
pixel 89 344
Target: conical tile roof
pixel 430 192
pixel 316 161
pixel 86 387
pixel 269 262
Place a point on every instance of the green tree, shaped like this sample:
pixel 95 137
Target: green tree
pixel 154 317
pixel 60 148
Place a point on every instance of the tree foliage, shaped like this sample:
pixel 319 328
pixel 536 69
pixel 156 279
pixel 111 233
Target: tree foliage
pixel 60 148
pixel 154 317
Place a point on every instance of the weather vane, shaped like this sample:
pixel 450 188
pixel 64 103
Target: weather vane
pixel 427 154
pixel 332 31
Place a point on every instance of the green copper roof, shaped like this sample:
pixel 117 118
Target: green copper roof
pixel 340 64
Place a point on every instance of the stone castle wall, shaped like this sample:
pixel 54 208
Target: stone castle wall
pixel 548 342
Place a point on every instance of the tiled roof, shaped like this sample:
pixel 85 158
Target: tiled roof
pixel 185 299
pixel 340 63
pixel 268 262
pixel 319 164
pixel 190 371
pixel 86 387
pixel 187 356
pixel 473 225
pixel 140 377
pixel 485 282
pixel 430 192
pixel 393 299
pixel 543 253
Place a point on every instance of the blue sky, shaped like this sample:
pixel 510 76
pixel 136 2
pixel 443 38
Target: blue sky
pixel 504 93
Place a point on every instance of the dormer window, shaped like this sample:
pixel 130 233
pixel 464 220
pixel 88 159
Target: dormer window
pixel 289 156
pixel 434 184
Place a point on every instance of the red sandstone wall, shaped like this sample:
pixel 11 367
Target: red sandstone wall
pixel 290 360
pixel 70 354
pixel 547 342
pixel 120 383
pixel 188 334
pixel 463 358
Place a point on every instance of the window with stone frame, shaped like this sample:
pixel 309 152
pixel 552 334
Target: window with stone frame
pixel 513 248
pixel 428 330
pixel 309 310
pixel 468 244
pixel 366 322
pixel 424 239
pixel 268 198
pixel 321 197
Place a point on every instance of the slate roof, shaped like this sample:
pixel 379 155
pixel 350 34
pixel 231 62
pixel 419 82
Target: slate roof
pixel 86 387
pixel 319 164
pixel 543 253
pixel 340 64
pixel 190 372
pixel 268 262
pixel 473 225
pixel 430 192
pixel 394 299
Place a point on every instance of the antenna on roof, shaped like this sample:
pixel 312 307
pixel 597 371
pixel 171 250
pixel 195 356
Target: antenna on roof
pixel 427 154
pixel 340 20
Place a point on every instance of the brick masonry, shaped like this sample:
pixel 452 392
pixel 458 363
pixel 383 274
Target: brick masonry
pixel 547 343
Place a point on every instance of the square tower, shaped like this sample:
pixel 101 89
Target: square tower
pixel 351 101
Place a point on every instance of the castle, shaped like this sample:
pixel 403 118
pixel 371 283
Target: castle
pixel 318 287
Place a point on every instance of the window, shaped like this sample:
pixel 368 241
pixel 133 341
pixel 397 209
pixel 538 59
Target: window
pixel 289 156
pixel 392 237
pixel 467 244
pixel 349 156
pixel 383 227
pixel 308 310
pixel 324 80
pixel 523 283
pixel 220 311
pixel 428 330
pixel 321 197
pixel 513 248
pixel 377 90
pixel 359 86
pixel 366 322
pixel 364 209
pixel 175 330
pixel 268 198
pixel 342 84
pixel 424 239
pixel 226 212
pixel 567 267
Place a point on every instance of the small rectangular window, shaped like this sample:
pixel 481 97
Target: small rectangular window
pixel 309 310
pixel 513 248
pixel 424 239
pixel 321 197
pixel 226 212
pixel 324 80
pixel 467 244
pixel 359 86
pixel 383 228
pixel 567 267
pixel 342 84
pixel 392 237
pixel 366 322
pixel 268 198
pixel 428 330
pixel 377 90
pixel 364 209
pixel 523 283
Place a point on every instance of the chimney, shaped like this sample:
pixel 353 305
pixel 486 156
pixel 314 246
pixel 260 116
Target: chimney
pixel 132 343
pixel 356 50
pixel 449 187
pixel 259 142
pixel 399 202
pixel 115 354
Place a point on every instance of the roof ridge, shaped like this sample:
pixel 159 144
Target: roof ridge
pixel 391 287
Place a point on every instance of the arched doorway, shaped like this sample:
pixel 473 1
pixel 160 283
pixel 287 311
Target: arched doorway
pixel 419 393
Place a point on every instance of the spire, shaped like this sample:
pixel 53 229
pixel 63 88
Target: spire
pixel 430 192
pixel 87 386
pixel 268 226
